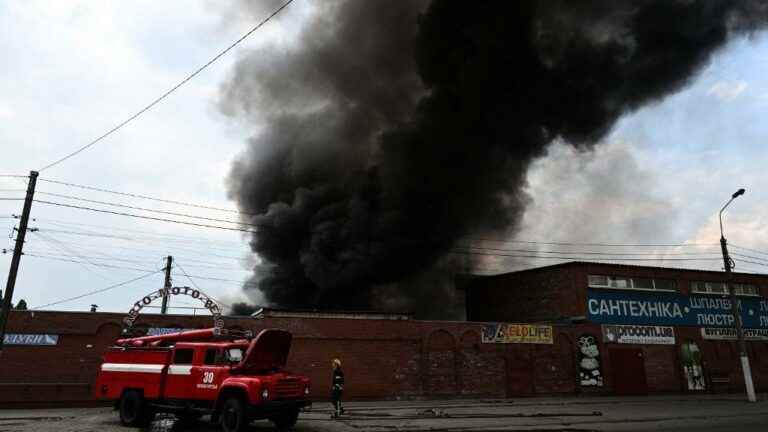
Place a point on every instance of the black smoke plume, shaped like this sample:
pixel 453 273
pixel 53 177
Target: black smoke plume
pixel 392 129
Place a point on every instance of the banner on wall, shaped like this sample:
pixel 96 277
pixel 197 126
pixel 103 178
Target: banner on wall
pixel 645 335
pixel 750 334
pixel 31 339
pixel 672 309
pixel 517 333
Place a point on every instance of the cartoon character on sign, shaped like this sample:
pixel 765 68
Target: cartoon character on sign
pixel 589 362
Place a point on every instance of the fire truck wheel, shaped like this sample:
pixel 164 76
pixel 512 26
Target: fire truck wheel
pixel 286 420
pixel 134 410
pixel 233 415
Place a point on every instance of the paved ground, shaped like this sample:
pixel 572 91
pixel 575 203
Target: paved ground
pixel 672 413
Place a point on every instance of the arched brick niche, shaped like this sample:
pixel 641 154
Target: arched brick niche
pixel 441 364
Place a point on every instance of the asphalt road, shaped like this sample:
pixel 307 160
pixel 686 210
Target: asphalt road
pixel 673 413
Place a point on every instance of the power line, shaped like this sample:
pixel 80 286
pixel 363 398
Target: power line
pixel 132 195
pixel 144 217
pixel 748 256
pixel 577 258
pixel 197 286
pixel 113 204
pixel 161 252
pixel 66 249
pixel 167 93
pixel 93 264
pixel 596 244
pixel 97 291
pixel 159 239
pixel 151 233
pixel 657 254
pixel 748 249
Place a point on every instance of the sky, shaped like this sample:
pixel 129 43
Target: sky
pixel 73 70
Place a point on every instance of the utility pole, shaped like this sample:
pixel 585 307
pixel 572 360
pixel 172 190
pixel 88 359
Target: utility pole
pixel 736 307
pixel 168 263
pixel 16 260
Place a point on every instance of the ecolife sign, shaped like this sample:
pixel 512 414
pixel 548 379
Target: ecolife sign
pixel 517 333
pixel 196 294
pixel 670 309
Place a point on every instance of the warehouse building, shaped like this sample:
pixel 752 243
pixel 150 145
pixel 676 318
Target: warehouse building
pixel 565 329
pixel 638 329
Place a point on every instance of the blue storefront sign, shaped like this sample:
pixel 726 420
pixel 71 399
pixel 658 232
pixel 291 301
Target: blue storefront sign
pixel 671 309
pixel 30 339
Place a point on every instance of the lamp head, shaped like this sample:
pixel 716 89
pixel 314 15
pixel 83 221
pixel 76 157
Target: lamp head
pixel 738 193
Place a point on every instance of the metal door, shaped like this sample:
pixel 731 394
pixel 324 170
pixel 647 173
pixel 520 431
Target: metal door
pixel 628 367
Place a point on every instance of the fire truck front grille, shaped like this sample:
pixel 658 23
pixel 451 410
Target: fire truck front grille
pixel 289 388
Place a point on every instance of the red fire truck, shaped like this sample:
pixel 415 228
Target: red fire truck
pixel 234 377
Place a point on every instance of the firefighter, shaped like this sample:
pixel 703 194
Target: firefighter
pixel 337 388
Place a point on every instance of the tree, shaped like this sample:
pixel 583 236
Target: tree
pixel 21 305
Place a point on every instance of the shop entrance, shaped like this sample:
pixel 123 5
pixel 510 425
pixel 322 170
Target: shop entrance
pixel 628 366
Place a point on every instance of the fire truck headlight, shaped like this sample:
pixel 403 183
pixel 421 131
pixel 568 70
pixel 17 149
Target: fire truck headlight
pixel 265 394
pixel 306 390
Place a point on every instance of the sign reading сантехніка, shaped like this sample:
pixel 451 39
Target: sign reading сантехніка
pixel 673 309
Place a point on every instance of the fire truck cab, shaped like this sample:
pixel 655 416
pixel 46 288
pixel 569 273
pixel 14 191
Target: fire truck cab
pixel 233 377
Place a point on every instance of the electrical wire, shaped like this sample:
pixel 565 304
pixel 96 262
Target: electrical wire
pixel 151 233
pixel 166 252
pixel 748 249
pixel 144 217
pixel 90 293
pixel 591 253
pixel 113 204
pixel 93 264
pixel 736 254
pixel 132 195
pixel 139 239
pixel 596 244
pixel 176 264
pixel 66 249
pixel 167 93
pixel 577 258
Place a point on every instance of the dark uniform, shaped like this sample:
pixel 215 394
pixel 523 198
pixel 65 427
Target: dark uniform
pixel 337 388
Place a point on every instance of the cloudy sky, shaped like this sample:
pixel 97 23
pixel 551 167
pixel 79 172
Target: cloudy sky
pixel 73 70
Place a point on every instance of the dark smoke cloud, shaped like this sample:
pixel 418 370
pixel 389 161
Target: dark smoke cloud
pixel 393 129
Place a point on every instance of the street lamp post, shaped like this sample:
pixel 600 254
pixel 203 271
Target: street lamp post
pixel 736 306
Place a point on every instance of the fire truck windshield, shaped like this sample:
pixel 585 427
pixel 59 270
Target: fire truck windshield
pixel 235 355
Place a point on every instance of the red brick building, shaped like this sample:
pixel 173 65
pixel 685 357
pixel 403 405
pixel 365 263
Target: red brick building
pixel 52 357
pixel 655 329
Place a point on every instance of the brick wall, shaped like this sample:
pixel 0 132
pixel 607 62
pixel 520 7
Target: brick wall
pixel 383 359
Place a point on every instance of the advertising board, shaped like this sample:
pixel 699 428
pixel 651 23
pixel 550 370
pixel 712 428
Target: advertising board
pixel 31 339
pixel 750 334
pixel 645 335
pixel 672 309
pixel 517 333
